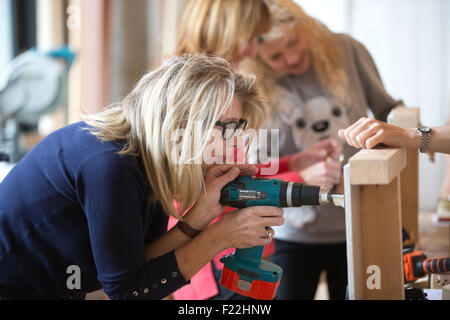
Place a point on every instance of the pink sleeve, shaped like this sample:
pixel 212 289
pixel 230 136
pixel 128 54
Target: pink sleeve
pixel 283 166
pixel 283 171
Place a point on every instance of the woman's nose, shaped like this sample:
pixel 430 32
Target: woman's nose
pixel 291 58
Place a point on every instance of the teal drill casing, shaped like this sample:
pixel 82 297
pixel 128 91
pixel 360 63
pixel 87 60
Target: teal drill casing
pixel 245 272
pixel 248 192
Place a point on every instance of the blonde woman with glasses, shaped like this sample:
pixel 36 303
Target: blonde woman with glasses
pixel 88 207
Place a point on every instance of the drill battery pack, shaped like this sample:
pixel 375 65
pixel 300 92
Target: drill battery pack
pixel 258 281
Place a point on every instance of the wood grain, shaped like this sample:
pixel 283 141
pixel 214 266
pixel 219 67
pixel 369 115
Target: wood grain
pixel 377 166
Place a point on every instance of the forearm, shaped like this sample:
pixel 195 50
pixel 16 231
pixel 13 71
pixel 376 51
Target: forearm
pixel 196 253
pixel 169 241
pixel 439 141
pixel 174 238
pixel 191 254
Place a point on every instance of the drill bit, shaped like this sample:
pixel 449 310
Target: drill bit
pixel 338 200
pixel 325 197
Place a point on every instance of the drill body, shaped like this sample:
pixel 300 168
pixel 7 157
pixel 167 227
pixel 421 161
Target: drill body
pixel 245 272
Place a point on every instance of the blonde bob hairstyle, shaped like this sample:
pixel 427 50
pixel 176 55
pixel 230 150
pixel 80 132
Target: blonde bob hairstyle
pixel 221 27
pixel 328 57
pixel 182 93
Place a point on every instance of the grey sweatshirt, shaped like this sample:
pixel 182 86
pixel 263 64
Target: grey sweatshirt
pixel 306 114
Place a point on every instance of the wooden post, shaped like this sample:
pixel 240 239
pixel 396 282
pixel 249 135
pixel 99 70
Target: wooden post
pixel 130 29
pixel 88 32
pixel 95 55
pixel 50 24
pixel 73 24
pixel 409 178
pixel 50 35
pixel 373 224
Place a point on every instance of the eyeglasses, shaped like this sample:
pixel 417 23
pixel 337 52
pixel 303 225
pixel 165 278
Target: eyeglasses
pixel 229 128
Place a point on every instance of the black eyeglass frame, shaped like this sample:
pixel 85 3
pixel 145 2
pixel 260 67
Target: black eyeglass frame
pixel 242 123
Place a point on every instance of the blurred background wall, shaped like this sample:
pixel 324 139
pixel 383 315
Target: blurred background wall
pixel 6 36
pixel 117 41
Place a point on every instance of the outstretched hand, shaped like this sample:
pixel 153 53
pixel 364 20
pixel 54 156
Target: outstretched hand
pixel 367 133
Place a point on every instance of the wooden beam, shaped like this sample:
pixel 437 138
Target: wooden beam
pixel 382 238
pixel 373 224
pixel 353 230
pixel 50 24
pixel 88 32
pixel 378 166
pixel 128 66
pixel 50 35
pixel 95 52
pixel 409 178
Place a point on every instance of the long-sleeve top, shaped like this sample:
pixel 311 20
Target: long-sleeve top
pixel 74 204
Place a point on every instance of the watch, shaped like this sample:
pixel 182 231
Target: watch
pixel 425 135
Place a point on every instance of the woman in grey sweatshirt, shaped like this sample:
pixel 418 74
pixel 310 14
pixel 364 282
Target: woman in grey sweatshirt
pixel 317 83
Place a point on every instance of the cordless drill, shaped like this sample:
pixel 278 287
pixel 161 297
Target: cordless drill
pixel 416 264
pixel 245 272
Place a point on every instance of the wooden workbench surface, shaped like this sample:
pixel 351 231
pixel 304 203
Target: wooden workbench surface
pixel 434 239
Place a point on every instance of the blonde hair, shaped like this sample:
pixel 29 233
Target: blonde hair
pixel 183 92
pixel 221 27
pixel 328 57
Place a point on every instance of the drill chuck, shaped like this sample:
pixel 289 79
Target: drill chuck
pixel 296 195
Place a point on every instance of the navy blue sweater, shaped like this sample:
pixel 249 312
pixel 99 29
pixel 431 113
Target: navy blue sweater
pixel 73 200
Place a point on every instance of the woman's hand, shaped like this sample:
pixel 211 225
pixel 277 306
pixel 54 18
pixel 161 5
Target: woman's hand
pixel 328 148
pixel 367 133
pixel 246 228
pixel 207 207
pixel 324 173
